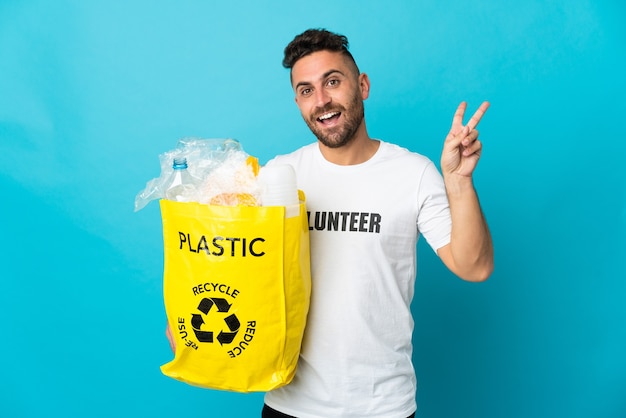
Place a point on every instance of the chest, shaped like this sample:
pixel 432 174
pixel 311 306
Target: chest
pixel 360 203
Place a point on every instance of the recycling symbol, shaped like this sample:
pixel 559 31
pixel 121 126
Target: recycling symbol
pixel 222 307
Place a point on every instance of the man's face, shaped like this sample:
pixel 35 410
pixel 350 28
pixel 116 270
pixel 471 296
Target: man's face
pixel 330 94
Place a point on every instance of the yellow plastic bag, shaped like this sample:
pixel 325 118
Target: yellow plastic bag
pixel 237 285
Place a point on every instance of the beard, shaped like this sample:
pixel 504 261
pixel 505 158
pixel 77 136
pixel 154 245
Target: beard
pixel 342 134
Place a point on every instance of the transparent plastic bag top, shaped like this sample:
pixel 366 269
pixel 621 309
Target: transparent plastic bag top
pixel 214 167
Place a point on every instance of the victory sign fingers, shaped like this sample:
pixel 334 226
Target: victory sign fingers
pixel 457 120
pixel 462 147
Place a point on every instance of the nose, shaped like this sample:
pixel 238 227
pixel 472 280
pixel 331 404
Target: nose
pixel 322 98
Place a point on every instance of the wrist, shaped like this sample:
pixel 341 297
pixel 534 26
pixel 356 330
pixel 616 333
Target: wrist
pixel 457 184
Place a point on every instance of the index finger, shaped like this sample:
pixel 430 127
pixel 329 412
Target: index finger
pixel 477 116
pixel 457 119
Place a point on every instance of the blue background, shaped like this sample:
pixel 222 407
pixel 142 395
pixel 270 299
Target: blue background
pixel 92 92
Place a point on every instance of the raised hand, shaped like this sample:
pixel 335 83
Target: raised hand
pixel 461 149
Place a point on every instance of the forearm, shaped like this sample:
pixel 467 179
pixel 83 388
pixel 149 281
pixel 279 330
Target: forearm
pixel 471 248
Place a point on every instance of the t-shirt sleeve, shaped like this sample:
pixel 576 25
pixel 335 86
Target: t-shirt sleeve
pixel 433 220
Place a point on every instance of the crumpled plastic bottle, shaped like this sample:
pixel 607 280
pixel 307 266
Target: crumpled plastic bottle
pixel 181 185
pixel 212 166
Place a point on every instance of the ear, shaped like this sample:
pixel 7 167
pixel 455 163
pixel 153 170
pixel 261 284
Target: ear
pixel 364 85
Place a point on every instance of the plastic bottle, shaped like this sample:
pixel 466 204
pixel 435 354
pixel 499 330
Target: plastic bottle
pixel 181 185
pixel 279 188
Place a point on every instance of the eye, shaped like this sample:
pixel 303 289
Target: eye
pixel 306 91
pixel 333 82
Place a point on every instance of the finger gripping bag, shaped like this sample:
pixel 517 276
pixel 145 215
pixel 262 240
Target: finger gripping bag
pixel 237 285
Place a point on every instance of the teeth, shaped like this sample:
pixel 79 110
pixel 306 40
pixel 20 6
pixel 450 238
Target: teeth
pixel 328 115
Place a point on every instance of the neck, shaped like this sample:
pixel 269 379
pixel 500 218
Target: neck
pixel 360 149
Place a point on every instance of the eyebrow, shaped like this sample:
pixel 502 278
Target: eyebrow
pixel 325 75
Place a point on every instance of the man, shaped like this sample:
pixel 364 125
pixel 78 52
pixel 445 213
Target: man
pixel 368 201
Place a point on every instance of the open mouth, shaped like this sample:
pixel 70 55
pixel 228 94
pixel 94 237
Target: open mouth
pixel 328 118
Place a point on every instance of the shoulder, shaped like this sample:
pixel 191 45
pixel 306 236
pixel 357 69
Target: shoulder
pixel 296 156
pixel 397 154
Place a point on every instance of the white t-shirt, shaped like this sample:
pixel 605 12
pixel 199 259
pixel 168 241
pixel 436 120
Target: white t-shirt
pixel 364 223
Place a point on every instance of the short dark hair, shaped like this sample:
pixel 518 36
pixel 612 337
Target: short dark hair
pixel 314 40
